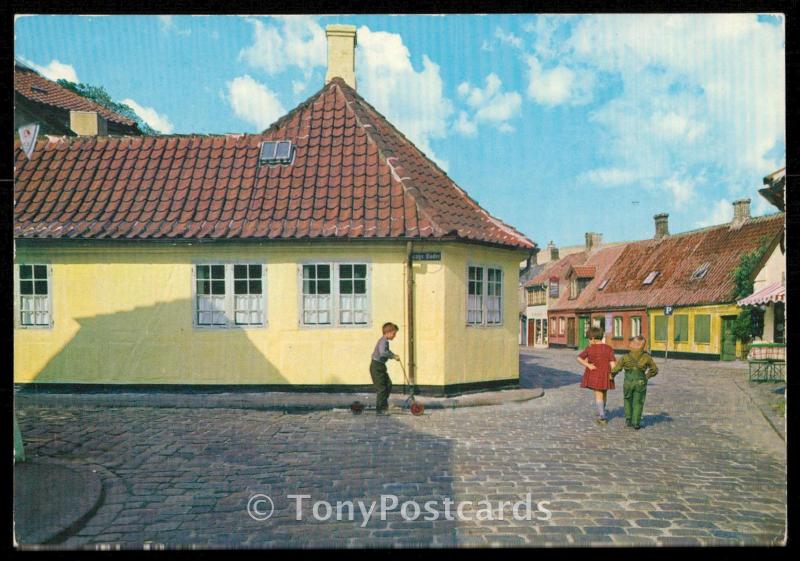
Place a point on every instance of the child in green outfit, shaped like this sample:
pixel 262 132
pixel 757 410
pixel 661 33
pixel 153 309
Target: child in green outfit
pixel 639 368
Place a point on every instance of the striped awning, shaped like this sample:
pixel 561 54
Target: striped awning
pixel 775 292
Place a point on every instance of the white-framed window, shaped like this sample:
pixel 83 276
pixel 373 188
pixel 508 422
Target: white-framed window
pixel 494 296
pixel 248 294
pixel 561 323
pixel 353 294
pixel 335 294
pixel 484 295
pixel 617 327
pixel 34 301
pixel 475 295
pixel 636 326
pixel 229 294
pixel 317 302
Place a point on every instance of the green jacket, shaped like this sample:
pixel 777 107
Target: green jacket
pixel 636 360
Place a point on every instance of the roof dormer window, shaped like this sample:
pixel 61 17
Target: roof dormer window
pixel 37 89
pixel 650 278
pixel 602 284
pixel 275 152
pixel 701 271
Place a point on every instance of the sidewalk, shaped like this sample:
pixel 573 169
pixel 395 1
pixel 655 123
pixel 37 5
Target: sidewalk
pixel 269 401
pixel 52 500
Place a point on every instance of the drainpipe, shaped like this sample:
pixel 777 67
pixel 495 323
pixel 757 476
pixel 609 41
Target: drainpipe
pixel 412 375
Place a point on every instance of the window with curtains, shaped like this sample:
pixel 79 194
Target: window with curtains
pixel 484 295
pixel 33 290
pixel 229 294
pixel 617 328
pixel 335 294
pixel 636 326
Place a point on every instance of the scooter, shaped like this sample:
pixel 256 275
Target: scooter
pixel 414 406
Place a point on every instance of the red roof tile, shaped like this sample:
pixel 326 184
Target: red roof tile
pixel 37 88
pixel 353 176
pixel 676 258
pixel 584 272
pixel 601 261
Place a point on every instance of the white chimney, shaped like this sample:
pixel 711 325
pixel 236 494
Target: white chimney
pixel 341 53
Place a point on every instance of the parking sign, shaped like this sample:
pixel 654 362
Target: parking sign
pixel 667 310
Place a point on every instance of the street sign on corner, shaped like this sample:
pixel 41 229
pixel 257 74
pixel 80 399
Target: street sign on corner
pixel 426 255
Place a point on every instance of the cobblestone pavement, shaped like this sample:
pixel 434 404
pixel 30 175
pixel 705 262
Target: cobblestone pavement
pixel 705 469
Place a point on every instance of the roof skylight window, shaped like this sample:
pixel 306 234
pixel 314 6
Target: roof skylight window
pixel 701 271
pixel 650 278
pixel 276 152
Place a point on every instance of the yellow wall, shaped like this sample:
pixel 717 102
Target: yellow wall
pixel 713 347
pixel 480 353
pixel 123 314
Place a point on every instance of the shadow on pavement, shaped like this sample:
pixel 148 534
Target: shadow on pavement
pixel 647 420
pixel 534 375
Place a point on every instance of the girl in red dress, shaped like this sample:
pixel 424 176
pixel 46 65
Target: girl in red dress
pixel 598 359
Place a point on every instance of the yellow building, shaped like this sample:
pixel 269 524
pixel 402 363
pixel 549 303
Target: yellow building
pixel 695 332
pixel 260 261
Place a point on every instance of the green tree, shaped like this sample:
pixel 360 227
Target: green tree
pixel 99 95
pixel 743 276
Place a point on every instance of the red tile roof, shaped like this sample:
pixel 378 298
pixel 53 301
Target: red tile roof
pixel 584 272
pixel 601 260
pixel 676 258
pixel 557 268
pixel 353 176
pixel 38 88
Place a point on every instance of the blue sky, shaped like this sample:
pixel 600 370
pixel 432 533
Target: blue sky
pixel 558 125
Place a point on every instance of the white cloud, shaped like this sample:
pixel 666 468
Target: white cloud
pixel 287 41
pixel 608 176
pixel 490 105
pixel 464 125
pixel 719 213
pixel 682 190
pixel 254 102
pixel 691 105
pixel 54 70
pixel 712 84
pixel 413 100
pixel 508 38
pixel 557 85
pixel 156 120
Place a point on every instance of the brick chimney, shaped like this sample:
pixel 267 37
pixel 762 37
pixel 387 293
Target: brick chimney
pixel 741 212
pixel 87 123
pixel 553 251
pixel 662 225
pixel 593 240
pixel 341 53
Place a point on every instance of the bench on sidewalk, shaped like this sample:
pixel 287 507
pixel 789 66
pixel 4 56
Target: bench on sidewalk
pixel 767 362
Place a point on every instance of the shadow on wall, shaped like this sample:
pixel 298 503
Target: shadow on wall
pixel 157 345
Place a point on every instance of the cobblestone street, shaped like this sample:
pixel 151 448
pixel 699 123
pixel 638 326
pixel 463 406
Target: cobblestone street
pixel 706 468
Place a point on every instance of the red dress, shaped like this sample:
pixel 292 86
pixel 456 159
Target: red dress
pixel 599 355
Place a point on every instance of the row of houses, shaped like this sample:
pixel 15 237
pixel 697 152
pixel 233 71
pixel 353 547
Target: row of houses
pixel 266 260
pixel 677 290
